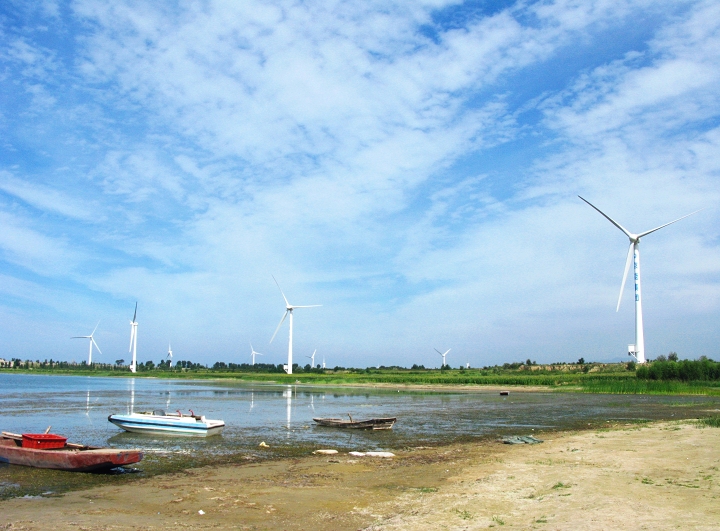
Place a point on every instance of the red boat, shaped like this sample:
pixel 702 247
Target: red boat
pixel 46 450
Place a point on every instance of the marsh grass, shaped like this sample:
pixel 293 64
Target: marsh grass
pixel 710 422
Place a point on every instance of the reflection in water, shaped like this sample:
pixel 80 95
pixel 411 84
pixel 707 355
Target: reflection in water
pixel 287 393
pixel 257 412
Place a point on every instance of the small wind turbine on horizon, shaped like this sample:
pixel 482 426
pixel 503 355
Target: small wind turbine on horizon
pixel 253 354
pixel 637 350
pixel 133 340
pixel 169 354
pixel 92 342
pixel 288 310
pixel 443 355
pixel 312 359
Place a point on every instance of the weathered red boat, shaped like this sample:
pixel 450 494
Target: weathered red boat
pixel 47 450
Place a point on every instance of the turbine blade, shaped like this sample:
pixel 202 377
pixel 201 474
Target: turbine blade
pixel 278 326
pixel 96 345
pixel 93 332
pixel 628 261
pixel 135 314
pixel 436 350
pixel 287 304
pixel 666 224
pixel 627 232
pixel 79 337
pixel 446 352
pixel 311 306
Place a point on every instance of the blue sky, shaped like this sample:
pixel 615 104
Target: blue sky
pixel 412 166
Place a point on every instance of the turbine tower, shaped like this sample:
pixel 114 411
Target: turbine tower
pixel 253 354
pixel 169 355
pixel 312 359
pixel 443 355
pixel 637 350
pixel 288 310
pixel 92 342
pixel 133 341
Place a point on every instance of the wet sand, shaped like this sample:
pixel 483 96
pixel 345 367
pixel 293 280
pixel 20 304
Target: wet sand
pixel 649 476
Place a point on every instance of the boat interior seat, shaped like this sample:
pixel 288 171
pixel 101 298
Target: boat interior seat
pixel 160 412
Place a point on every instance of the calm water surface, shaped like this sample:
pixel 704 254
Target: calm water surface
pixel 281 416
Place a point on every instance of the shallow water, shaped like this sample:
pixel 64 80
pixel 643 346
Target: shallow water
pixel 281 416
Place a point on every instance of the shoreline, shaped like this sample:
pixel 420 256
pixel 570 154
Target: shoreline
pixel 660 475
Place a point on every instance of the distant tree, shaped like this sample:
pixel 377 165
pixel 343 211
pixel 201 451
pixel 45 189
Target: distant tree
pixel 661 358
pixel 672 356
pixel 528 362
pixel 630 366
pixel 581 361
pixel 119 362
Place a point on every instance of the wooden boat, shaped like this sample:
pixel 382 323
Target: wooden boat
pixel 47 450
pixel 160 422
pixel 369 424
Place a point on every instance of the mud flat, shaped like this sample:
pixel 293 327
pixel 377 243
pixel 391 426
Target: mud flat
pixel 648 476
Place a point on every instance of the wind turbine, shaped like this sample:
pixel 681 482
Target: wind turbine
pixel 637 350
pixel 288 310
pixel 323 361
pixel 133 341
pixel 92 342
pixel 169 355
pixel 312 359
pixel 443 355
pixel 253 354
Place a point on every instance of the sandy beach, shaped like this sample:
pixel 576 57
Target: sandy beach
pixel 647 476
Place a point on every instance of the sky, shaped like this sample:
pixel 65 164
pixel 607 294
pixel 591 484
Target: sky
pixel 412 166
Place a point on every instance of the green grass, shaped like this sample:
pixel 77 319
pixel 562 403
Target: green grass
pixel 606 378
pixel 710 422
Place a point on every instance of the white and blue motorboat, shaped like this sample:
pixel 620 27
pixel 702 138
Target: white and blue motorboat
pixel 160 422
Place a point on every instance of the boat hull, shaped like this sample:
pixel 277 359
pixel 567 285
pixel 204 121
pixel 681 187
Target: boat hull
pixel 72 459
pixel 167 425
pixel 369 424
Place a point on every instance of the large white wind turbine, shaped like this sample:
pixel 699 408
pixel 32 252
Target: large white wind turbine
pixel 638 349
pixel 443 355
pixel 169 354
pixel 312 359
pixel 133 341
pixel 92 342
pixel 288 310
pixel 253 353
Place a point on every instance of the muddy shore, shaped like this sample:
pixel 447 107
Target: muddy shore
pixel 648 476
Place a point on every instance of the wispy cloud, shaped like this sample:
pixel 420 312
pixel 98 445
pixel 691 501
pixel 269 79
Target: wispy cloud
pixel 411 166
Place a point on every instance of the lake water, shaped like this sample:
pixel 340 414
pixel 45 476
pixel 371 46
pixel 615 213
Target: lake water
pixel 281 416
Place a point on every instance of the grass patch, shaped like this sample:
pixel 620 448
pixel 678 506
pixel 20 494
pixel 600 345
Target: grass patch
pixel 710 422
pixel 561 485
pixel 498 520
pixel 465 515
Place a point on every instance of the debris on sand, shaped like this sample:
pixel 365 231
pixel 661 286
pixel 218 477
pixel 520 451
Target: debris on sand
pixel 520 439
pixel 372 454
pixel 263 445
pixel 325 452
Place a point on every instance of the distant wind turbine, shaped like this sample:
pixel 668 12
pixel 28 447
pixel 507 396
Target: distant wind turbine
pixel 443 355
pixel 92 342
pixel 312 359
pixel 638 349
pixel 169 354
pixel 253 354
pixel 288 310
pixel 323 361
pixel 133 341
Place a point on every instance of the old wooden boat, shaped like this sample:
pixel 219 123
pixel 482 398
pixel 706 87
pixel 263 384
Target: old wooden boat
pixel 47 450
pixel 369 424
pixel 160 422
